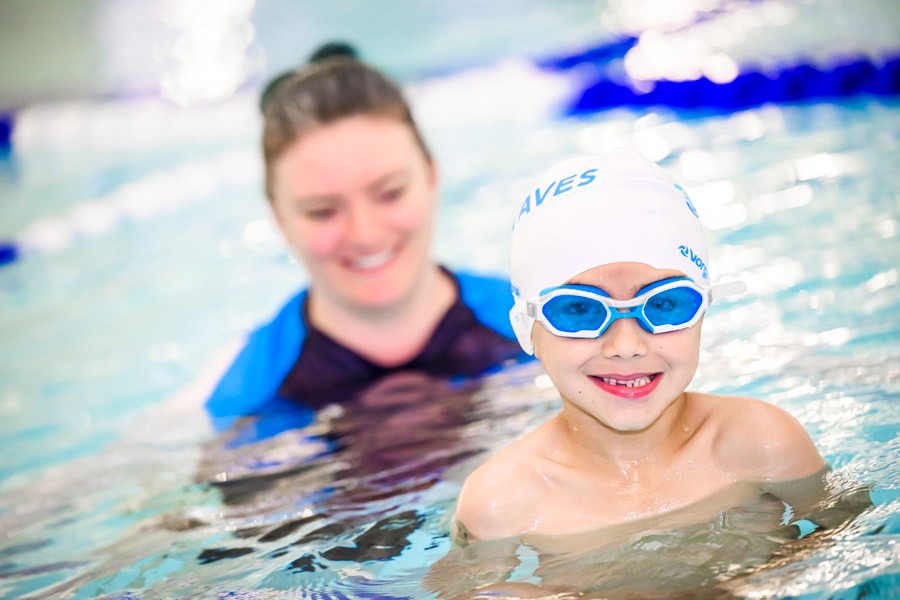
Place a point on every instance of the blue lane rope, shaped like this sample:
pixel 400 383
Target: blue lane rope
pixel 599 55
pixel 9 252
pixel 752 88
pixel 6 127
pixel 794 84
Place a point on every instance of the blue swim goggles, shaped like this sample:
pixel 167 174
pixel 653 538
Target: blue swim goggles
pixel 581 311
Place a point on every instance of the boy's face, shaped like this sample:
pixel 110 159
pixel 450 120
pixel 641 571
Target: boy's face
pixel 628 376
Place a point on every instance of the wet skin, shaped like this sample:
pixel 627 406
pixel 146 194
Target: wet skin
pixel 628 377
pixel 355 200
pixel 630 442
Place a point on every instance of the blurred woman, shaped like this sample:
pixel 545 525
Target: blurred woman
pixel 354 190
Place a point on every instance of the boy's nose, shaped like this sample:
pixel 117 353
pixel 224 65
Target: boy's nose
pixel 624 339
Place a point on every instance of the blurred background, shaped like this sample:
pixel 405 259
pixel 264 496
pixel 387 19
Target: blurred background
pixel 135 238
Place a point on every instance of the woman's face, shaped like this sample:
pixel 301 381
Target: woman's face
pixel 355 200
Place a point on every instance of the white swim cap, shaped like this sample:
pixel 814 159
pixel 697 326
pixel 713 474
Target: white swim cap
pixel 595 210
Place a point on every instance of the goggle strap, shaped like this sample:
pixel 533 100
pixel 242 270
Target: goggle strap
pixel 727 289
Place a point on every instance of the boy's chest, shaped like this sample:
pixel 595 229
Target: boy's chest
pixel 591 502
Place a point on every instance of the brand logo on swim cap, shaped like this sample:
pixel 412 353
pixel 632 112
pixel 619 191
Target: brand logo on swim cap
pixel 687 200
pixel 559 187
pixel 688 252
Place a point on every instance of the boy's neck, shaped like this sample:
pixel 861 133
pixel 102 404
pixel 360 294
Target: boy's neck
pixel 620 452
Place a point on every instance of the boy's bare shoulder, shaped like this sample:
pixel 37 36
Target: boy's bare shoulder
pixel 757 440
pixel 502 496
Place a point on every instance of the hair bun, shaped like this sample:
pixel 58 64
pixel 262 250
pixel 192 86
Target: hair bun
pixel 333 50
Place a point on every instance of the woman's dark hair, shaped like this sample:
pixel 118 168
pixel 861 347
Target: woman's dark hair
pixel 333 86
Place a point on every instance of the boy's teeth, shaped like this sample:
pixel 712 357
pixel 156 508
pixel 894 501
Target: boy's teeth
pixel 640 381
pixel 373 260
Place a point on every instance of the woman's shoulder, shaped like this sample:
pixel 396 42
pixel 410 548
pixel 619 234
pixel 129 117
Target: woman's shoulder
pixel 757 440
pixel 482 288
pixel 489 297
pixel 257 369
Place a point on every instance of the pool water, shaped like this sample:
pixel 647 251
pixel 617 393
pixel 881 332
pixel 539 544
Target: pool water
pixel 151 248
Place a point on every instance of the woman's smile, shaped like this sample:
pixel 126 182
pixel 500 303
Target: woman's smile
pixel 373 262
pixel 356 200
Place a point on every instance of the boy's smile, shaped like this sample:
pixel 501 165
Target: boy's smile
pixel 636 385
pixel 628 377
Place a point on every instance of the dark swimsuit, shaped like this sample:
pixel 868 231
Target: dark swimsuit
pixel 327 372
pixel 288 359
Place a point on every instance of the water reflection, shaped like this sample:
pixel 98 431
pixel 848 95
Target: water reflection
pixel 340 488
pixel 702 551
pixel 206 55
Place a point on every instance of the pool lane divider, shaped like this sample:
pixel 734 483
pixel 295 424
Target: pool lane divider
pixel 802 83
pixel 748 89
pixel 6 128
pixel 137 201
pixel 9 252
pixel 847 77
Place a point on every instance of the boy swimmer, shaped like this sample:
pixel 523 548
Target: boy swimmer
pixel 610 279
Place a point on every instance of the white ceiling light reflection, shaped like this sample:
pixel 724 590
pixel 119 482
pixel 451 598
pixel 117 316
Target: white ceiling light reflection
pixel 684 41
pixel 631 16
pixel 602 138
pixel 657 56
pixel 835 337
pixel 656 142
pixel 792 197
pixel 715 203
pixel 748 125
pixel 831 268
pixel 260 232
pixel 698 165
pixel 206 58
pixel 826 165
pixel 886 227
pixel 719 68
pixel 779 274
pixel 652 144
pixel 882 280
pixel 733 260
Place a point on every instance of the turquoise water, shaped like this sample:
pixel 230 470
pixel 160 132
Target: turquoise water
pixel 151 248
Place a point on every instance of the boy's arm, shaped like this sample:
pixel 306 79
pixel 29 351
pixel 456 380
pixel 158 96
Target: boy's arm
pixel 479 515
pixel 820 500
pixel 496 501
pixel 786 462
pixel 758 441
pixel 476 569
pixel 480 555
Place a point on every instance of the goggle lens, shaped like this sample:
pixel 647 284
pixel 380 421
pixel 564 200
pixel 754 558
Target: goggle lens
pixel 583 311
pixel 674 306
pixel 571 314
